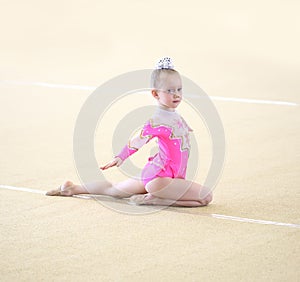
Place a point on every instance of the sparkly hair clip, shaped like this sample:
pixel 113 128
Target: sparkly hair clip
pixel 165 63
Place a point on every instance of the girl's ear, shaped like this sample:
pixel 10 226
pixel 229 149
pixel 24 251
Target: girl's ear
pixel 154 94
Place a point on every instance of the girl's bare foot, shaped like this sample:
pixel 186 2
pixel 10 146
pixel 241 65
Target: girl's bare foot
pixel 67 189
pixel 148 199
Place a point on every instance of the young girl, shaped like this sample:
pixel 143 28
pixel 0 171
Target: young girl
pixel 163 178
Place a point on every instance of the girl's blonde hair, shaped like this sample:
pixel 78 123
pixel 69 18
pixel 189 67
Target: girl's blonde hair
pixel 163 67
pixel 156 76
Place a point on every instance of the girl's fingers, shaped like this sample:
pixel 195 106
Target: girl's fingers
pixel 112 163
pixel 105 167
pixel 115 162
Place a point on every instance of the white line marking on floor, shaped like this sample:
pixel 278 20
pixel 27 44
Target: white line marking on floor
pixel 254 101
pixel 22 189
pixel 92 88
pixel 250 220
pixel 213 215
pixel 49 85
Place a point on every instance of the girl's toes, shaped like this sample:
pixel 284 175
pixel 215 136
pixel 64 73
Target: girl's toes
pixel 142 199
pixel 64 190
pixel 56 192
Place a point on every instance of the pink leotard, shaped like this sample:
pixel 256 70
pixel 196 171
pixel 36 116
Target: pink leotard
pixel 172 133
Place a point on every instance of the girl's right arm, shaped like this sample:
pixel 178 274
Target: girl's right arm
pixel 133 146
pixel 116 161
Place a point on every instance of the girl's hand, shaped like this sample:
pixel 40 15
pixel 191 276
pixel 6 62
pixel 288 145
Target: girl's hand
pixel 114 162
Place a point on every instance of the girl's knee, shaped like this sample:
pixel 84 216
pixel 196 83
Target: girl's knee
pixel 150 186
pixel 156 185
pixel 207 199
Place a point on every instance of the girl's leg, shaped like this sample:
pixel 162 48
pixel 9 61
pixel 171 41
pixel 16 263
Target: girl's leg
pixel 148 199
pixel 122 189
pixel 179 190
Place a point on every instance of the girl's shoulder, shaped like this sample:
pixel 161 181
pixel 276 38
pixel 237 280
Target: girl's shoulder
pixel 186 124
pixel 164 117
pixel 170 119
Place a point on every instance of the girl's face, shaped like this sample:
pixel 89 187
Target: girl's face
pixel 169 95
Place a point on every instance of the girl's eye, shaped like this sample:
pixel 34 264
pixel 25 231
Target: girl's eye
pixel 173 91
